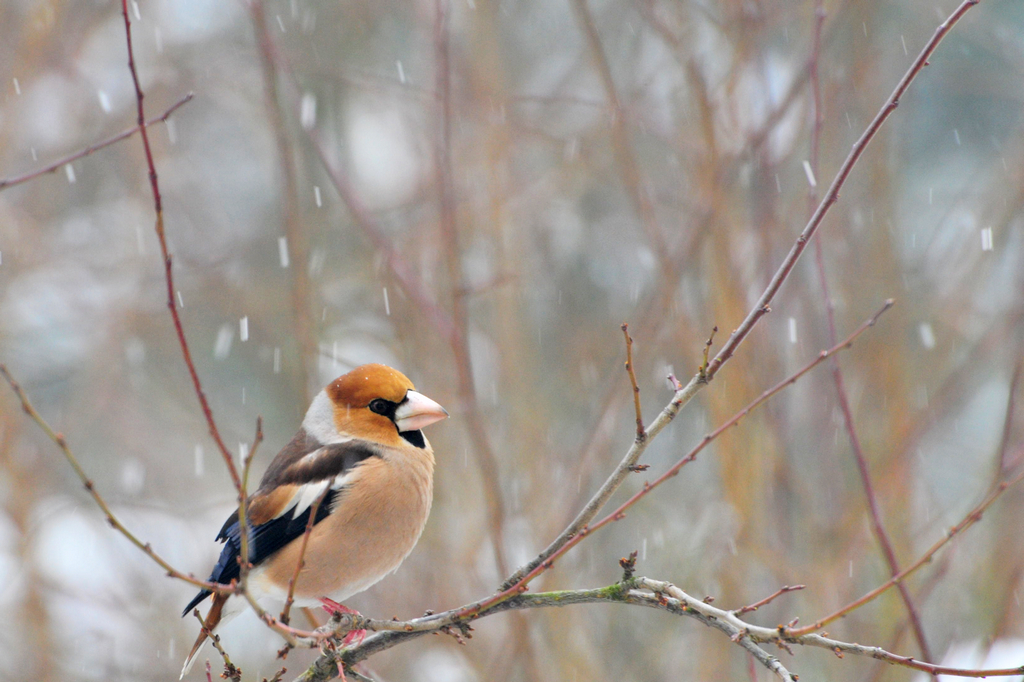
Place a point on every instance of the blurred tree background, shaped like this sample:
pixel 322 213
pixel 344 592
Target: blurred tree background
pixel 598 161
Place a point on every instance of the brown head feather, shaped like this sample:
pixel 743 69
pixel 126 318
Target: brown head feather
pixel 351 394
pixel 366 383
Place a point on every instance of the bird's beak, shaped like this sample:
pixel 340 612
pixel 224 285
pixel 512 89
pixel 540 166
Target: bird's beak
pixel 417 411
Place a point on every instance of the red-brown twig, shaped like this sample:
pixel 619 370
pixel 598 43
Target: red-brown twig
pixel 314 508
pixel 640 432
pixel 112 519
pixel 243 502
pixel 969 520
pixel 762 307
pixel 638 592
pixel 767 600
pixel 459 340
pixel 231 671
pixel 402 272
pixel 124 134
pixel 1002 466
pixel 625 157
pixel 168 274
pixel 296 234
pixel 520 585
pixel 884 542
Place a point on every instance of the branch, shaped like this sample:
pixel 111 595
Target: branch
pixel 767 600
pixel 640 433
pixel 580 528
pixel 969 520
pixel 124 134
pixel 313 509
pixel 90 487
pixel 389 633
pixel 685 393
pixel 646 592
pixel 168 274
pixel 761 308
pixel 780 636
pixel 884 542
pixel 231 671
pixel 459 339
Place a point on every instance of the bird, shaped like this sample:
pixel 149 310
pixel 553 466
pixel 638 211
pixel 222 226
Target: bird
pixel 361 452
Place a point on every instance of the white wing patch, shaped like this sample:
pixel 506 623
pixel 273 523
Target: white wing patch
pixel 307 495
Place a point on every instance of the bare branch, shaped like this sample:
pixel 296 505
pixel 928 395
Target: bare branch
pixel 90 487
pixel 640 433
pixel 243 501
pixel 763 635
pixel 767 600
pixel 762 307
pixel 314 508
pixel 884 542
pixel 646 592
pixel 123 135
pixel 969 520
pixel 168 274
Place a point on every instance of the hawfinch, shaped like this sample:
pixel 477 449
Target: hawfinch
pixel 361 442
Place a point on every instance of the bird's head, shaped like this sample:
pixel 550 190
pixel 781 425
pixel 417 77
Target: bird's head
pixel 379 403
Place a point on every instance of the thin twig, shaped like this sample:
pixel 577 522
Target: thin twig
pixel 243 503
pixel 646 592
pixel 881 535
pixel 767 600
pixel 625 157
pixel 112 519
pixel 762 307
pixel 640 432
pixel 123 135
pixel 459 340
pixel 921 595
pixel 566 542
pixel 231 671
pixel 969 520
pixel 314 508
pixel 168 274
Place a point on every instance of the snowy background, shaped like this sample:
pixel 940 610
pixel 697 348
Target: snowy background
pixel 573 216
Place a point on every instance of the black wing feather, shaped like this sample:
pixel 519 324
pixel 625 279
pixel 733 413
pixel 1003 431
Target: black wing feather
pixel 291 466
pixel 264 540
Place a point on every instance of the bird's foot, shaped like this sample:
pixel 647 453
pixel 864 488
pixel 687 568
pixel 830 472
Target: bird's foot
pixel 332 607
pixel 353 637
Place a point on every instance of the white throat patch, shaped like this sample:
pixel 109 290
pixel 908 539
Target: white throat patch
pixel 319 421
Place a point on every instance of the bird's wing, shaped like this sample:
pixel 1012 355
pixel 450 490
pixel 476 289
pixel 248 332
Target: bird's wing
pixel 279 511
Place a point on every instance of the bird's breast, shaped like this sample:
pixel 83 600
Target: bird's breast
pixel 373 527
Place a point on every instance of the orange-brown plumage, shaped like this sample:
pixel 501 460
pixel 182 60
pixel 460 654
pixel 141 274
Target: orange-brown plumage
pixel 360 447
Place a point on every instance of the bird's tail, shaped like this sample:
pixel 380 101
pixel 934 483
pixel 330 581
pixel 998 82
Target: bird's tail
pixel 211 622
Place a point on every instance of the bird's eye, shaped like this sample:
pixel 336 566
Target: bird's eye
pixel 380 406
